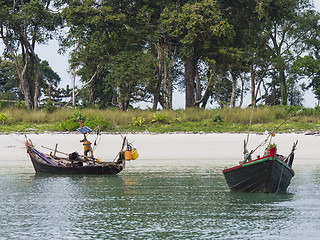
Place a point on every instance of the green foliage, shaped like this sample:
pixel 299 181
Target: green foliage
pixel 138 121
pixel 93 122
pixel 272 145
pixel 72 124
pixel 191 120
pixel 21 105
pixel 25 24
pixel 309 66
pixel 123 39
pixel 9 82
pixel 217 118
pixel 184 24
pixel 76 116
pixel 68 125
pixel 157 117
pixel 4 118
pixel 131 72
pixel 50 107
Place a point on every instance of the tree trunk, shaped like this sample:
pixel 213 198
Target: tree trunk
pixel 33 79
pixel 165 78
pixel 119 98
pixel 92 92
pixel 206 94
pixel 198 86
pixel 74 73
pixel 242 92
pixel 170 77
pixel 25 79
pixel 170 92
pixel 30 79
pixel 221 104
pixel 284 97
pixel 37 83
pixel 189 81
pixel 35 60
pixel 253 84
pixel 234 90
pixel 159 78
pixel 21 72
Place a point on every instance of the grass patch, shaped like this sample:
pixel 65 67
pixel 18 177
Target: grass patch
pixel 136 120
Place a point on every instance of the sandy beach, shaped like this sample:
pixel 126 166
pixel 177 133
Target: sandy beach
pixel 215 148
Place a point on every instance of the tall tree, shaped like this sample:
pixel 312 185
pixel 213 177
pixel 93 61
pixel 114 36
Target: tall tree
pixel 289 26
pixel 309 66
pixel 23 24
pixel 9 82
pixel 194 26
pixel 109 33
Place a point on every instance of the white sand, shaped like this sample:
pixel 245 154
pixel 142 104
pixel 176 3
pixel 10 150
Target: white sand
pixel 163 149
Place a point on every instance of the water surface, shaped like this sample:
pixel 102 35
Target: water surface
pixel 154 199
pixel 161 203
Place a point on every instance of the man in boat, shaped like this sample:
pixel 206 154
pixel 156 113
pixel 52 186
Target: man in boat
pixel 87 147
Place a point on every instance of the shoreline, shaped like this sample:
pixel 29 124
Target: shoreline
pixel 156 149
pixel 159 133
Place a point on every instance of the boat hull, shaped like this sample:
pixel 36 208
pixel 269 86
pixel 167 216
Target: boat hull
pixel 40 165
pixel 266 175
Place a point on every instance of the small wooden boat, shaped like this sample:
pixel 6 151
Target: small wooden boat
pixel 75 163
pixel 269 174
pixel 46 163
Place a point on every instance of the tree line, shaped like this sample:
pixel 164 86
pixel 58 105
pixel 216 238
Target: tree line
pixel 129 51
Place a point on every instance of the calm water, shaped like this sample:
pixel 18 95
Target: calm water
pixel 154 201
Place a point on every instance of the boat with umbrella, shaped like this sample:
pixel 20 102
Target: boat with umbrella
pixel 75 163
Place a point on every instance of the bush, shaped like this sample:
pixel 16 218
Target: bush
pixel 217 118
pixel 4 118
pixel 72 124
pixel 138 121
pixel 50 107
pixel 159 118
pixel 21 105
pixel 93 122
pixel 68 125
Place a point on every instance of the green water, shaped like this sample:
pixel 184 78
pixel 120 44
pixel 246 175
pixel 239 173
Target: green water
pixel 164 202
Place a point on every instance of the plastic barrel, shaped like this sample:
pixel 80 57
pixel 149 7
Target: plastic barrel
pixel 127 155
pixel 134 154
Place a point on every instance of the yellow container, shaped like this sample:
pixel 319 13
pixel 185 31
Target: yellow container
pixel 127 155
pixel 134 154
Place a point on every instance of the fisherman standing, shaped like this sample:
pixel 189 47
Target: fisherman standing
pixel 87 147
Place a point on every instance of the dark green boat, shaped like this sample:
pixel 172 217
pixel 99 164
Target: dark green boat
pixel 269 174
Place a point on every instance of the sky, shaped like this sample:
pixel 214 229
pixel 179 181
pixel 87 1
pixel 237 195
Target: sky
pixel 59 63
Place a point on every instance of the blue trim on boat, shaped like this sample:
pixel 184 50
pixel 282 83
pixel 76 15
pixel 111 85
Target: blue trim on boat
pixel 43 157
